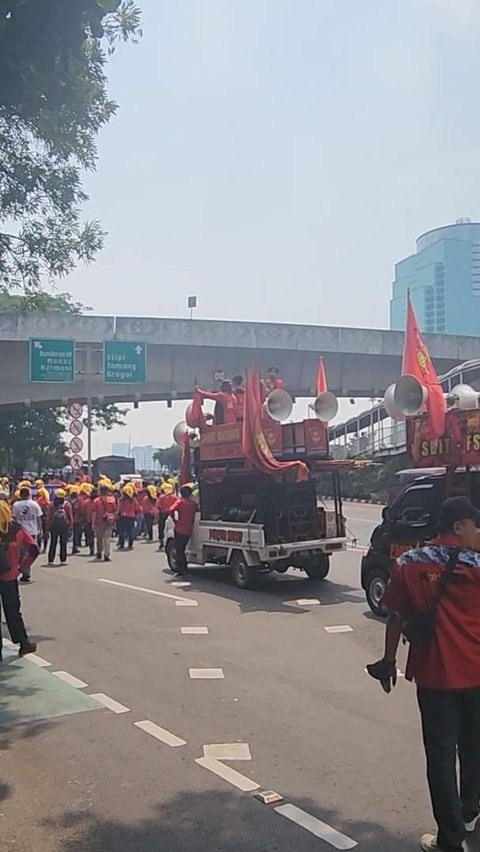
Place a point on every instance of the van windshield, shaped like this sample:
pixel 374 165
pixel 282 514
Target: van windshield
pixel 416 505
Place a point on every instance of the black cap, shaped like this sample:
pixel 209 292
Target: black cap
pixel 456 509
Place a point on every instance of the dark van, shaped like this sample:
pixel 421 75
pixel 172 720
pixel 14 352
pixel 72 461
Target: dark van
pixel 409 521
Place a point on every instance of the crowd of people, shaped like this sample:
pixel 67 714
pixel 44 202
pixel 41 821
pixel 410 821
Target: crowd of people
pixel 47 514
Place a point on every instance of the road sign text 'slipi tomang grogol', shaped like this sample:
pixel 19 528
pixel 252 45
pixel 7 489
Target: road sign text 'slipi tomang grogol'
pixel 124 362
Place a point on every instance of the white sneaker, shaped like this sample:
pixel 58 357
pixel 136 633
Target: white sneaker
pixel 429 843
pixel 471 826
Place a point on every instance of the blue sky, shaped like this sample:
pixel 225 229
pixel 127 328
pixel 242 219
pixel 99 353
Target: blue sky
pixel 276 157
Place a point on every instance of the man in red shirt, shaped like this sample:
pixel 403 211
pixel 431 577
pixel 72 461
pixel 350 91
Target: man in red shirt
pixel 442 580
pixel 183 512
pixel 165 502
pixel 225 409
pixel 103 520
pixel 18 550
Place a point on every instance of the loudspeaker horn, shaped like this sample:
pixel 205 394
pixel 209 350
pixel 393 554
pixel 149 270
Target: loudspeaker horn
pixel 410 396
pixel 325 406
pixel 464 397
pixel 188 416
pixel 389 404
pixel 179 431
pixel 279 405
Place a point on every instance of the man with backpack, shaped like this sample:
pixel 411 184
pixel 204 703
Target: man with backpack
pixel 103 520
pixel 60 525
pixel 434 599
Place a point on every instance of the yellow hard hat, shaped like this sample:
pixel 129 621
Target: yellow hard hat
pixel 151 490
pixel 43 493
pixel 128 490
pixel 39 483
pixel 60 492
pixel 86 488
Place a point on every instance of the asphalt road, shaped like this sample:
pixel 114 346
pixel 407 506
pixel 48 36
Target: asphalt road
pixel 294 710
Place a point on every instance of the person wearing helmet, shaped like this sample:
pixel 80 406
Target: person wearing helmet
pixel 60 525
pixel 18 550
pixel 149 509
pixel 103 520
pixel 165 502
pixel 183 512
pixel 128 510
pixel 27 513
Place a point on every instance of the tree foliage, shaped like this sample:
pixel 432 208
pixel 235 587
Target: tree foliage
pixel 32 438
pixel 168 457
pixel 53 102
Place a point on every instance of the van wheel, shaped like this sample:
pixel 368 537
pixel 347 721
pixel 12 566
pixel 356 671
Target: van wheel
pixel 376 584
pixel 242 574
pixel 318 570
pixel 171 554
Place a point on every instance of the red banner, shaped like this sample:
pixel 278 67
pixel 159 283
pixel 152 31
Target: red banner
pixel 417 363
pixel 459 445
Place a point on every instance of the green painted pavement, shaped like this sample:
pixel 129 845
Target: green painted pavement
pixel 29 693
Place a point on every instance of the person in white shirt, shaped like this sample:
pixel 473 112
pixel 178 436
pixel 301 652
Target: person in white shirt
pixel 28 514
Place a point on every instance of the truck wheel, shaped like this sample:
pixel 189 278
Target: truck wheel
pixel 318 570
pixel 171 554
pixel 243 575
pixel 376 584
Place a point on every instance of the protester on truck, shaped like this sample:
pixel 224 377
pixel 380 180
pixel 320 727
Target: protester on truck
pixel 239 393
pixel 103 520
pixel 60 525
pixel 127 511
pixel 149 509
pixel 226 402
pixel 273 381
pixel 18 550
pixel 28 514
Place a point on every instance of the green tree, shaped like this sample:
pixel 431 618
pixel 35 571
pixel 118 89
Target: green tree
pixel 31 437
pixel 53 102
pixel 168 456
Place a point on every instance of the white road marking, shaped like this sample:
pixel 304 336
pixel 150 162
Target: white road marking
pixel 228 774
pixel 308 602
pixel 363 520
pixel 194 631
pixel 339 628
pixel 160 733
pixel 180 584
pixel 207 674
pixel 39 661
pixel 316 826
pixel 186 602
pixel 148 591
pixel 8 644
pixel 108 702
pixel 70 679
pixel 227 751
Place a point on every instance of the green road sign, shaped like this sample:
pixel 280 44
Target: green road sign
pixel 124 362
pixel 52 360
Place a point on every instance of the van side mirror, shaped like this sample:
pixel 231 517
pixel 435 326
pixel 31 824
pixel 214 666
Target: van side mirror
pixel 386 514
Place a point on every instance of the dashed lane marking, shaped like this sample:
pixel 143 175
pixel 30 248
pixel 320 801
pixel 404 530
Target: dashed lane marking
pixel 308 602
pixel 39 661
pixel 109 703
pixel 227 751
pixel 160 733
pixel 180 584
pixel 70 679
pixel 180 601
pixel 339 628
pixel 194 631
pixel 247 785
pixel 206 674
pixel 316 826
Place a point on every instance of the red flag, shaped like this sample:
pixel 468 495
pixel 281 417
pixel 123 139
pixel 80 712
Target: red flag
pixel 196 419
pixel 185 468
pixel 322 386
pixel 254 445
pixel 417 363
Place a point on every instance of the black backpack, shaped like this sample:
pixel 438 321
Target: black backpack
pixel 59 520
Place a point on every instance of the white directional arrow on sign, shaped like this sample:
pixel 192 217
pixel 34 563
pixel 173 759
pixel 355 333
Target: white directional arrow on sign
pixel 37 344
pixel 138 350
pixel 216 753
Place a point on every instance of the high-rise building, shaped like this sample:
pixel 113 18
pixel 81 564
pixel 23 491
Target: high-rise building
pixel 444 280
pixel 120 450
